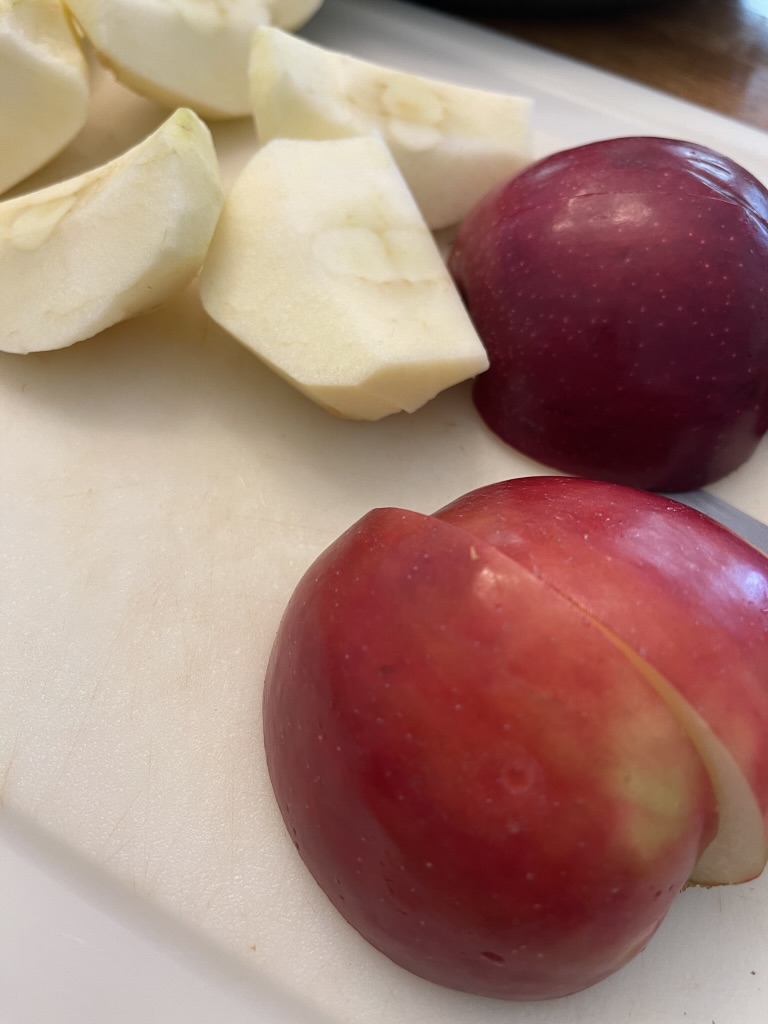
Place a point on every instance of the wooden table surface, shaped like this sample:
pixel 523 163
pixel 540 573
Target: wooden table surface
pixel 712 52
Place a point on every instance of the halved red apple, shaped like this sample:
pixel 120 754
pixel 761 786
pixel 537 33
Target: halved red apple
pixel 504 736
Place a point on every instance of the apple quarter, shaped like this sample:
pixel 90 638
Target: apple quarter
pixel 322 264
pixel 452 143
pixel 44 86
pixel 187 52
pixel 86 253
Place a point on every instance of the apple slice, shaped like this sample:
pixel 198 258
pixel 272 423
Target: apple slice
pixel 684 598
pixel 190 53
pixel 44 87
pixel 452 144
pixel 85 253
pixel 322 264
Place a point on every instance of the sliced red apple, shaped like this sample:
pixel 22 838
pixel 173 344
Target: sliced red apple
pixel 478 776
pixel 687 601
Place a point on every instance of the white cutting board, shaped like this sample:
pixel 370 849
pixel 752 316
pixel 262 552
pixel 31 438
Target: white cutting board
pixel 161 494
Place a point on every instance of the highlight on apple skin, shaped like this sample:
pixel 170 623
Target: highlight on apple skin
pixel 621 290
pixel 492 780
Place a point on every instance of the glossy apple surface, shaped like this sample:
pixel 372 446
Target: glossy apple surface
pixel 686 594
pixel 482 781
pixel 621 290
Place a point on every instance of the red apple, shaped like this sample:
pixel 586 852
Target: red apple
pixel 621 291
pixel 475 770
pixel 689 597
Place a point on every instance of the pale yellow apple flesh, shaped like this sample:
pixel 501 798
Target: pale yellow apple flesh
pixel 44 88
pixel 739 850
pixel 88 252
pixel 452 144
pixel 185 52
pixel 322 265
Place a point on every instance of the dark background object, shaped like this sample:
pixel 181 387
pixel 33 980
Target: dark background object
pixel 534 8
pixel 710 52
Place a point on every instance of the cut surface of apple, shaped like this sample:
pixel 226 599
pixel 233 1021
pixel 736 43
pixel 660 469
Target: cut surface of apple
pixel 190 53
pixel 91 251
pixel 44 88
pixel 322 264
pixel 452 143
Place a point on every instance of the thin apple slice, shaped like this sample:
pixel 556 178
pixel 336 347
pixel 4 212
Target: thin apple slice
pixel 85 253
pixel 738 851
pixel 682 596
pixel 44 87
pixel 452 144
pixel 323 266
pixel 190 53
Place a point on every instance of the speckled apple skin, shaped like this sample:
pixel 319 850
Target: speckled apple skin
pixel 621 291
pixel 480 781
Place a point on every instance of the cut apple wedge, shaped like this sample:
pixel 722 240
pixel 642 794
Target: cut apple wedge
pixel 85 253
pixel 44 87
pixel 190 53
pixel 684 599
pixel 322 265
pixel 452 144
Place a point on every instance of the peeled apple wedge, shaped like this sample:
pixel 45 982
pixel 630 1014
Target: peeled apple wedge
pixel 323 266
pixel 44 87
pixel 452 144
pixel 190 53
pixel 86 253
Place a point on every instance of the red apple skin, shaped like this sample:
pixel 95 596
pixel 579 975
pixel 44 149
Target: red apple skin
pixel 621 291
pixel 679 588
pixel 478 778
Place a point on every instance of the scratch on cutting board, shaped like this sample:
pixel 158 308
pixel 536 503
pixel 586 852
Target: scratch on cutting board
pixel 7 773
pixel 86 715
pixel 83 492
pixel 113 831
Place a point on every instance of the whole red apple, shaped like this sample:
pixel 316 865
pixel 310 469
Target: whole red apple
pixel 621 291
pixel 484 765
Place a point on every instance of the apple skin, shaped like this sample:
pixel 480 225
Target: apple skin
pixel 480 781
pixel 621 291
pixel 683 590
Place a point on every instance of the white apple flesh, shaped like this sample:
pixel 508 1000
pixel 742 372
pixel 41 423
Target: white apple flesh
pixel 186 52
pixel 88 252
pixel 323 266
pixel 44 86
pixel 451 143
